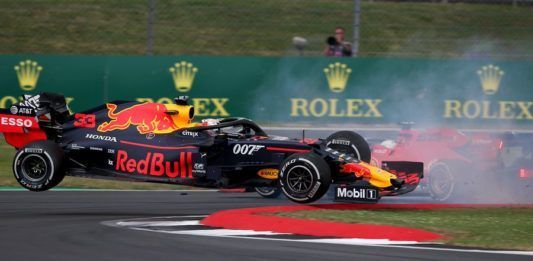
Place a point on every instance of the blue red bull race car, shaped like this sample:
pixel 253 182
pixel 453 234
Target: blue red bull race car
pixel 155 142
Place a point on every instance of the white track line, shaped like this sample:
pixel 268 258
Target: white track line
pixel 357 241
pixel 159 223
pixel 390 244
pixel 510 252
pixel 115 223
pixel 216 232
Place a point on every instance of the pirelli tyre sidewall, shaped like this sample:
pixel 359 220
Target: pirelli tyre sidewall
pixel 350 143
pixel 305 177
pixel 38 165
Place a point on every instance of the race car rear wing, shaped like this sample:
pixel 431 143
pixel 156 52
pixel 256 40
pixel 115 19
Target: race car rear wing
pixel 34 118
pixel 20 130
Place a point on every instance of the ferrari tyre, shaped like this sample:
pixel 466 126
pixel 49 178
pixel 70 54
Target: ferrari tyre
pixel 304 177
pixel 268 192
pixel 38 165
pixel 441 184
pixel 350 143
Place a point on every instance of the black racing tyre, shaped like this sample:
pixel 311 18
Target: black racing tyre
pixel 441 182
pixel 38 165
pixel 350 143
pixel 304 177
pixel 268 192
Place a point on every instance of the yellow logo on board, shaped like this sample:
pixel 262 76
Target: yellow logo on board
pixel 490 77
pixel 28 74
pixel 183 74
pixel 337 75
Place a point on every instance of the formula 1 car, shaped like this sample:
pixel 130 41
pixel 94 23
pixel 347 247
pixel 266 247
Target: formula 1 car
pixel 155 142
pixel 458 164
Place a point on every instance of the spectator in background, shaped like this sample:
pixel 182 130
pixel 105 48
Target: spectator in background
pixel 336 46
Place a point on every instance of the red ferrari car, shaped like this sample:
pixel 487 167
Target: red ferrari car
pixel 454 163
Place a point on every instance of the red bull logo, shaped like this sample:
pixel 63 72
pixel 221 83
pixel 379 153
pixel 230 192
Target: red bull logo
pixel 154 164
pixel 148 117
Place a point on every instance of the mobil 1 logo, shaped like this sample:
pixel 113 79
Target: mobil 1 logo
pixel 363 194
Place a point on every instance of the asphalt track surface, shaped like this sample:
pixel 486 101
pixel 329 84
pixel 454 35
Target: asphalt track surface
pixel 67 225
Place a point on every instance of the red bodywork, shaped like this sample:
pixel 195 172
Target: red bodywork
pixel 20 130
pixel 440 145
pixel 358 170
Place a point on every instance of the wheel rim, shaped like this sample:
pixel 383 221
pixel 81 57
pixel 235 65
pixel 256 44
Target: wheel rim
pixel 299 179
pixel 34 167
pixel 265 190
pixel 442 183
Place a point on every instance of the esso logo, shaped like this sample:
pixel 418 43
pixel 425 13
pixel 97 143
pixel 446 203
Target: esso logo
pixel 246 149
pixel 18 122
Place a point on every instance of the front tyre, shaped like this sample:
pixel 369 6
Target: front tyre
pixel 38 165
pixel 350 143
pixel 305 177
pixel 441 183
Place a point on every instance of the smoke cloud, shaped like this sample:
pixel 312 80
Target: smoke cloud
pixel 476 182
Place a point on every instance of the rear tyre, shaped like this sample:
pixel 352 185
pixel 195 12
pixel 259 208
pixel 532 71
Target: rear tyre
pixel 349 143
pixel 305 177
pixel 38 165
pixel 268 192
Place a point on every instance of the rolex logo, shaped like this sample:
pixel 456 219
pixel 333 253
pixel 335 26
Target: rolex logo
pixel 490 77
pixel 337 75
pixel 183 75
pixel 28 74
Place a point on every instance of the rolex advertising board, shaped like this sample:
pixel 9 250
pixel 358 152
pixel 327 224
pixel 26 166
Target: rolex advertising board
pixel 281 90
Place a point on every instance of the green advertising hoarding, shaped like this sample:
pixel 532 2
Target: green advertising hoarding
pixel 281 90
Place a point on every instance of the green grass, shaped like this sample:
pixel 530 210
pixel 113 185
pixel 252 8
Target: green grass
pixel 8 180
pixel 6 158
pixel 256 27
pixel 501 228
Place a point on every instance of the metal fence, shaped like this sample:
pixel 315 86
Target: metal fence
pixel 432 28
